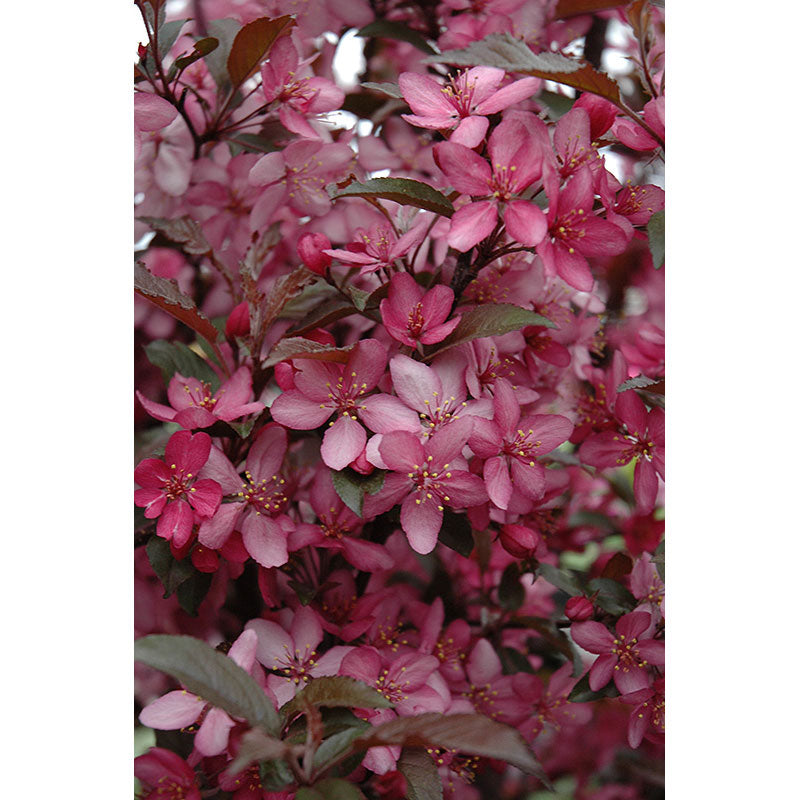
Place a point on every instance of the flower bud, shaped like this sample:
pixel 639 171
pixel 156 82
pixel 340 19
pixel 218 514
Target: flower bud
pixel 310 247
pixel 238 323
pixel 390 785
pixel 579 609
pixel 519 541
pixel 361 465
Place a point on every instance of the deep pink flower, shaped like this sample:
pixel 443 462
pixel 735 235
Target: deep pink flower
pixel 256 512
pixel 310 247
pixel 489 691
pixel 511 446
pixel 648 716
pixel 625 656
pixel 170 489
pixel 516 162
pixel 379 247
pixel 323 388
pixel 193 405
pixel 424 479
pixel 150 113
pixel 463 102
pixel 574 233
pixel 164 775
pixel 643 440
pixel 413 316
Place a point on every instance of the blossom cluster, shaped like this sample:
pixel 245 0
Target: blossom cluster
pixel 399 405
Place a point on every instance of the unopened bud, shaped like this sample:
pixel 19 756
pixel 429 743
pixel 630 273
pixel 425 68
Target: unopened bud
pixel 518 541
pixel 391 785
pixel 361 465
pixel 238 323
pixel 579 609
pixel 310 247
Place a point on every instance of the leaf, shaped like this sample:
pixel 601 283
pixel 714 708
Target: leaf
pixel 655 238
pixel 285 288
pixel 511 593
pixel 183 231
pixel 336 691
pixel 213 676
pixel 639 382
pixel 202 47
pixel 330 310
pixel 574 8
pixel 167 296
pixel 167 35
pixel 252 45
pixel 224 30
pixel 275 775
pixel 172 357
pixel 305 793
pixel 612 596
pixel 255 745
pixel 617 567
pixel 336 746
pixel 192 592
pixel 404 191
pixel 254 143
pixel 513 661
pixel 557 104
pixel 336 789
pixel 469 733
pixel 422 777
pixel 659 559
pixel 560 578
pixel 385 29
pixel 513 55
pixel 171 572
pixel 297 347
pixel 392 89
pixel 456 533
pixel 581 693
pixel 350 486
pixel 490 320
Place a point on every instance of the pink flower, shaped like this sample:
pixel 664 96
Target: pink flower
pixel 574 233
pixel 463 102
pixel 412 316
pixel 180 708
pixel 379 247
pixel 193 405
pixel 260 500
pixel 512 445
pixel 648 716
pixel 424 479
pixel 170 489
pixel 150 113
pixel 626 656
pixel 164 775
pixel 516 162
pixel 310 247
pixel 323 388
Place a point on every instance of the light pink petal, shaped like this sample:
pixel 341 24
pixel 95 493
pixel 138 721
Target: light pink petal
pixel 471 224
pixel 367 556
pixel 220 469
pixel 401 451
pixel 152 112
pixel 214 532
pixel 573 268
pixel 265 540
pixel 433 122
pixel 601 238
pixel 330 663
pixel 306 631
pixel 421 523
pixel 408 241
pixel 243 650
pixel 366 364
pixel 384 413
pixel 266 454
pixel 404 294
pixel 483 664
pixel 313 378
pixel 645 485
pixel 465 489
pixel 267 169
pixel 486 438
pixel 550 430
pixel 508 95
pixel 396 486
pixel 156 410
pixel 530 480
pixel 265 207
pixel 343 442
pixel 273 642
pixel 174 710
pixel 466 171
pixel 363 664
pixel 212 738
pixel 485 81
pixel 447 444
pixel 439 332
pixel 506 407
pixel 415 383
pixel 424 95
pixel 498 481
pixel 234 393
pixel 525 222
pixel 294 410
pixel 631 681
pixel 470 131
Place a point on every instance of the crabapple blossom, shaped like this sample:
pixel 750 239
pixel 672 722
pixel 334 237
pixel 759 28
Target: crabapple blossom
pixel 165 775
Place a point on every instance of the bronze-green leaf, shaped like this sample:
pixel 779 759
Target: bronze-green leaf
pixel 404 191
pixel 252 45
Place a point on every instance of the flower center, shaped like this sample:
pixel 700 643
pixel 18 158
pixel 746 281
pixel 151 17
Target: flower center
pixel 567 228
pixel 177 484
pixel 415 322
pixel 429 483
pixel 522 447
pixel 393 692
pixel 295 666
pixel 627 654
pixel 200 396
pixel 459 92
pixel 266 496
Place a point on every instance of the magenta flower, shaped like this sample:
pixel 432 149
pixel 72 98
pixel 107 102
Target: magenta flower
pixel 574 233
pixel 512 445
pixel 516 162
pixel 259 500
pixel 647 718
pixel 424 479
pixel 193 405
pixel 180 708
pixel 164 775
pixel 323 388
pixel 379 247
pixel 170 489
pixel 626 656
pixel 643 441
pixel 463 102
pixel 412 316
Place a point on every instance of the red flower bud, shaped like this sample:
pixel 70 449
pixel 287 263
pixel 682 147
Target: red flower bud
pixel 579 609
pixel 238 323
pixel 310 247
pixel 390 785
pixel 519 541
pixel 360 463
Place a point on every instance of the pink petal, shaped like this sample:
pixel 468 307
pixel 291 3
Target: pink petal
pixel 401 451
pixel 294 410
pixel 525 222
pixel 573 268
pixel 175 523
pixel 471 224
pixel 645 485
pixel 212 738
pixel 267 169
pixel 205 497
pixel 214 532
pixel 195 417
pixel 343 442
pixel 367 556
pixel 174 710
pixel 424 95
pixel 602 670
pixel 466 171
pixel 266 455
pixel 265 540
pixel 306 631
pixel 633 625
pixel 421 523
pixel 498 481
pixel 483 664
pixel 384 413
pixel 156 410
pixel 152 112
pixel 151 473
pixel 592 636
pixel 436 305
pixel 631 681
pixel 508 95
pixel 631 410
pixel 604 450
pixel 530 480
pixel 439 332
pixel 470 131
pixel 273 642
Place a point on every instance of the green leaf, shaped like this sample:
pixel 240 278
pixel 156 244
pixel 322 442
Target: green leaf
pixel 612 596
pixel 655 237
pixel 202 47
pixel 255 745
pixel 297 347
pixel 581 693
pixel 224 30
pixel 167 35
pixel 392 89
pixel 219 680
pixel 336 691
pixel 404 191
pixel 470 733
pixel 489 320
pixel 336 746
pixel 305 793
pixel 254 143
pixel 639 382
pixel 181 230
pixel 422 777
pixel 336 789
pixel 456 533
pixel 593 519
pixel 171 572
pixel 192 592
pixel 557 104
pixel 560 578
pixel 275 775
pixel 386 29
pixel 350 486
pixel 659 559
pixel 172 357
pixel 513 661
pixel 252 46
pixel 511 593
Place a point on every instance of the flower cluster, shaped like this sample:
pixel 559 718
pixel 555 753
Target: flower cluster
pixel 400 443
